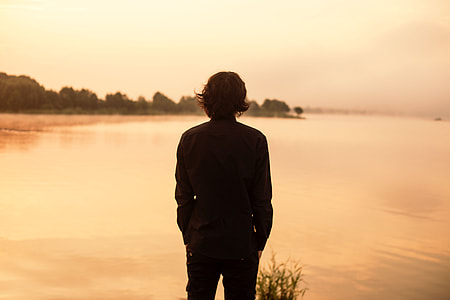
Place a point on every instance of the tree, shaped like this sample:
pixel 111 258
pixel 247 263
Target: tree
pixel 116 100
pixel 119 103
pixel 86 99
pixel 52 100
pixel 18 93
pixel 298 110
pixel 254 109
pixel 274 107
pixel 142 104
pixel 162 103
pixel 67 95
pixel 188 104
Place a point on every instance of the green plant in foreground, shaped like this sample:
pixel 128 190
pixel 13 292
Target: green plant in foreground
pixel 280 281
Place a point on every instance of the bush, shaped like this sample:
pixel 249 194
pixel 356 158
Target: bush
pixel 280 281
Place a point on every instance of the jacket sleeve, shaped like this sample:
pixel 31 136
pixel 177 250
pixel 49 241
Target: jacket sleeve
pixel 261 195
pixel 184 194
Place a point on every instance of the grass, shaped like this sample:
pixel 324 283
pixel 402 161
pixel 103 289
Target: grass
pixel 280 281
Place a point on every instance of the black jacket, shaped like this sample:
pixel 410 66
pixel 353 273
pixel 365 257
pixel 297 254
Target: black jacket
pixel 223 189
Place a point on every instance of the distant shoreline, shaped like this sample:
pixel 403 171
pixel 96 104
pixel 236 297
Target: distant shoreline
pixel 22 122
pixel 22 94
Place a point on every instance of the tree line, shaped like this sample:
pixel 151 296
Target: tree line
pixel 22 94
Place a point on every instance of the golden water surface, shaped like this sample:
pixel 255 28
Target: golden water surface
pixel 87 208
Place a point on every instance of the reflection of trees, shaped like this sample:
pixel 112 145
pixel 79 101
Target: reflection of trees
pixel 24 94
pixel 17 140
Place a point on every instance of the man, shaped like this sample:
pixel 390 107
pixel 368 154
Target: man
pixel 223 193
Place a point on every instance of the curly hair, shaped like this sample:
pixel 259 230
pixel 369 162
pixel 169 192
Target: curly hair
pixel 223 96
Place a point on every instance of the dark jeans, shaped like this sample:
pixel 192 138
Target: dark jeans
pixel 239 277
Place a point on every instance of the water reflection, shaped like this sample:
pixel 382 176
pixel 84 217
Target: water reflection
pixel 408 199
pixel 20 141
pixel 100 268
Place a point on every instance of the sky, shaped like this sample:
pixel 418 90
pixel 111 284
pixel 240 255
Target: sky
pixel 380 55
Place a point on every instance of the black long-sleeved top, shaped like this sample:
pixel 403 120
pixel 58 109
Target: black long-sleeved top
pixel 223 189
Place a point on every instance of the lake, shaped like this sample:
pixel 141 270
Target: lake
pixel 87 208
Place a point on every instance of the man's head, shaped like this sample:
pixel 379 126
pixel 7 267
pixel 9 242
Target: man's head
pixel 224 96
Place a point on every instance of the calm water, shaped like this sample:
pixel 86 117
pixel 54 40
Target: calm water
pixel 87 212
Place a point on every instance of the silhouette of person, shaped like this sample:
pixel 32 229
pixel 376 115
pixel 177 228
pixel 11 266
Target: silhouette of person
pixel 223 191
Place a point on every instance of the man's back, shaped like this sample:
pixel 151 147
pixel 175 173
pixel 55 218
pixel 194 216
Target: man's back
pixel 225 166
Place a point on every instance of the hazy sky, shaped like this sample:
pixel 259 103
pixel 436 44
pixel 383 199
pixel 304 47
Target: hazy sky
pixel 364 54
